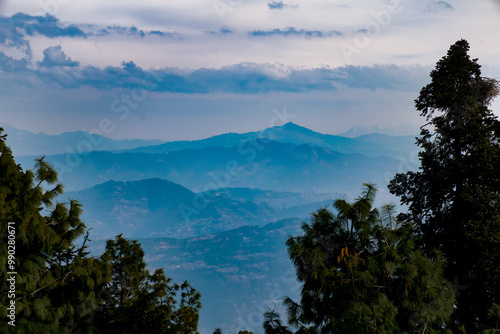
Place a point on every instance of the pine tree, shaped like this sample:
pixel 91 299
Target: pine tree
pixel 58 287
pixel 454 198
pixel 140 302
pixel 361 273
pixel 56 282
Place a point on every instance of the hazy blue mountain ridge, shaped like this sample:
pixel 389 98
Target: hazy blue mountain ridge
pixel 156 207
pixel 241 273
pixel 273 166
pixel 24 142
pixel 279 200
pixel 399 130
pixel 292 133
pixel 220 193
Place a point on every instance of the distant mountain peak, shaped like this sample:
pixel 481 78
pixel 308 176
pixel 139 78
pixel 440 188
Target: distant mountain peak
pixel 400 130
pixel 290 126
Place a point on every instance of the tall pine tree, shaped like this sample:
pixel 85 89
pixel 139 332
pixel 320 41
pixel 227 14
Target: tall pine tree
pixel 140 302
pixel 59 288
pixel 454 198
pixel 55 281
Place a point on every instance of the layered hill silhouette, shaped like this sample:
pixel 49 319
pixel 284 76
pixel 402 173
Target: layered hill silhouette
pixel 156 207
pixel 241 273
pixel 218 211
pixel 370 144
pixel 23 142
pixel 271 166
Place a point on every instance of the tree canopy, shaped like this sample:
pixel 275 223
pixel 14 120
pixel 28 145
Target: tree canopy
pixel 59 287
pixel 55 280
pixel 362 273
pixel 140 302
pixel 454 197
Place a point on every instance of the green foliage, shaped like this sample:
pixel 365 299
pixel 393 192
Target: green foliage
pixel 59 288
pixel 273 325
pixel 140 302
pixel 55 280
pixel 361 273
pixel 454 198
pixel 494 316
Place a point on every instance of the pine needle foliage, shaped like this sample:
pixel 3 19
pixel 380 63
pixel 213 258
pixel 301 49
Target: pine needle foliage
pixel 55 280
pixel 362 273
pixel 454 197
pixel 59 288
pixel 140 302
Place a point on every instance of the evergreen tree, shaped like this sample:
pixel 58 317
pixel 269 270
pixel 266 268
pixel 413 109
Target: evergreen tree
pixel 58 287
pixel 494 317
pixel 55 282
pixel 361 273
pixel 140 302
pixel 454 198
pixel 273 325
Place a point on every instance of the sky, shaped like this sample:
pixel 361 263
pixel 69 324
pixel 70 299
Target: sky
pixel 176 70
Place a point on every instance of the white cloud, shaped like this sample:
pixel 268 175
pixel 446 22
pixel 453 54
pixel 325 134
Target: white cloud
pixel 402 31
pixel 299 53
pixel 54 56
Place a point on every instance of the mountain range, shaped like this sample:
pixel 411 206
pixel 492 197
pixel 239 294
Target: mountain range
pixel 401 130
pixel 274 166
pixel 217 211
pixel 156 207
pixel 371 144
pixel 23 142
pixel 241 273
pixel 372 141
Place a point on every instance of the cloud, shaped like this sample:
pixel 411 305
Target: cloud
pixel 279 5
pixel 276 5
pixel 391 77
pixel 11 65
pixel 47 25
pixel 132 31
pixel 15 29
pixel 221 31
pixel 245 78
pixel 54 56
pixel 291 31
pixel 439 5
